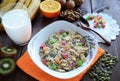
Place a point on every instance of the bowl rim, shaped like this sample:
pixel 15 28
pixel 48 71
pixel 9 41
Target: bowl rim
pixel 56 74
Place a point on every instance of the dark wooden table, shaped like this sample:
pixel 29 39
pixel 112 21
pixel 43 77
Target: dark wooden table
pixel 111 7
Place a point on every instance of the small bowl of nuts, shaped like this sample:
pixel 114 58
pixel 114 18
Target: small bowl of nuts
pixel 62 49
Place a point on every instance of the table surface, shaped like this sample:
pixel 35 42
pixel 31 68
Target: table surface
pixel 111 7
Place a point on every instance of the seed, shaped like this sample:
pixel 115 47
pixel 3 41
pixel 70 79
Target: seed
pixel 101 78
pixel 95 75
pixel 106 74
pixel 107 79
pixel 103 65
pixel 91 74
pixel 103 59
pixel 111 66
pixel 102 69
pixel 109 72
pixel 94 79
pixel 108 68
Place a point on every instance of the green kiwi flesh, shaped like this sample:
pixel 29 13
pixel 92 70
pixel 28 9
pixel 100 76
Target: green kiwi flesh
pixel 7 66
pixel 8 51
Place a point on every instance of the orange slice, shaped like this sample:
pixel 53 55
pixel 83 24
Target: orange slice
pixel 50 8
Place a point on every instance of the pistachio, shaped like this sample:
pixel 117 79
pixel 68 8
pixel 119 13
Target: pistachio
pixel 101 71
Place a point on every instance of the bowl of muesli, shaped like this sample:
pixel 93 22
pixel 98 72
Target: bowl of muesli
pixel 62 49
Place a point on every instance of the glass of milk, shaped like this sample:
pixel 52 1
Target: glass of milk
pixel 17 23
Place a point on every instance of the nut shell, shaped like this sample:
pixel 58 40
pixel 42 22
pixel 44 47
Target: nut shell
pixel 78 2
pixel 62 2
pixel 70 4
pixel 70 15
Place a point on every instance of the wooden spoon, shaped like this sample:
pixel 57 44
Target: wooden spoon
pixel 85 25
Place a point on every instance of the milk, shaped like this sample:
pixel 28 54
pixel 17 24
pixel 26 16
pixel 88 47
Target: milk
pixel 17 25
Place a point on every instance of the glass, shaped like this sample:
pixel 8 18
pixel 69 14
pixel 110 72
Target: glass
pixel 17 23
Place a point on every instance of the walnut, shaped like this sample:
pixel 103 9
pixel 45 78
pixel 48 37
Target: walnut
pixel 70 15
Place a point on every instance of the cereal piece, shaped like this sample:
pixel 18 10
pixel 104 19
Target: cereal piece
pixel 67 47
pixel 57 59
pixel 45 49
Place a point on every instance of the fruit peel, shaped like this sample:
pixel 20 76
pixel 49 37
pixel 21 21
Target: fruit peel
pixel 50 13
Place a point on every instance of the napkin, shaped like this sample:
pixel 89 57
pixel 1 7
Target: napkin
pixel 111 25
pixel 29 67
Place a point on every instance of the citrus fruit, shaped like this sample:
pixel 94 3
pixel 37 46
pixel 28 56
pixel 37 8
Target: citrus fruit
pixel 50 8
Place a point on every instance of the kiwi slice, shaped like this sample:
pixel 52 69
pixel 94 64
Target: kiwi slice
pixel 7 66
pixel 7 51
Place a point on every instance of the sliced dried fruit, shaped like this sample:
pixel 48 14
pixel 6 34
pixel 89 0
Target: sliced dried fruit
pixel 7 51
pixel 7 66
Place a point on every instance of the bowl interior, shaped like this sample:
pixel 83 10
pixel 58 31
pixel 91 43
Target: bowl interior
pixel 43 35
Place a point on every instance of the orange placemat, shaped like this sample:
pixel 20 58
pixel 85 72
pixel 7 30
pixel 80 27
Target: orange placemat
pixel 27 65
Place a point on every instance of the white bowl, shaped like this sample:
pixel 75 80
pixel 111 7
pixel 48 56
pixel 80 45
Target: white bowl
pixel 44 34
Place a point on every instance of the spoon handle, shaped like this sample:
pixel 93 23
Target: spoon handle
pixel 107 42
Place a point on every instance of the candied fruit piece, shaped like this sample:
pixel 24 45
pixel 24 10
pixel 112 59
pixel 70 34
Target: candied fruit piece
pixel 54 67
pixel 65 55
pixel 79 63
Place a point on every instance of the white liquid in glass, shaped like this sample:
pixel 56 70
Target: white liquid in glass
pixel 17 25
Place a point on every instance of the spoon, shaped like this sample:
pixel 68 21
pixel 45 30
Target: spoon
pixel 85 25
